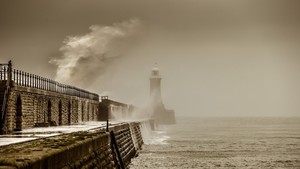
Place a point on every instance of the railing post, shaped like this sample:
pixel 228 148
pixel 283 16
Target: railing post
pixel 1 73
pixel 37 82
pixel 42 83
pixel 33 81
pixel 40 79
pixel 21 78
pixel 30 80
pixel 9 70
pixel 4 71
pixel 51 85
pixel 25 79
pixel 27 76
pixel 14 75
pixel 46 84
pixel 17 77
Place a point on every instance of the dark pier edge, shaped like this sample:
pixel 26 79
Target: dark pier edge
pixel 87 149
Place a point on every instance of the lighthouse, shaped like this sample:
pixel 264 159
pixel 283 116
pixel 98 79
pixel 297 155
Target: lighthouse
pixel 155 88
pixel 159 113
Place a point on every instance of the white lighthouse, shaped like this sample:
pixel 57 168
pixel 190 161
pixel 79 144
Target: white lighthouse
pixel 155 88
pixel 160 114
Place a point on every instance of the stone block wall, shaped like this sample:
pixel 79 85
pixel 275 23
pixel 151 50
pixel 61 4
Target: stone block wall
pixel 136 134
pixel 30 107
pixel 82 150
pixel 125 145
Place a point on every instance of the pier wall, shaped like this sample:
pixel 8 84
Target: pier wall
pixel 29 107
pixel 89 149
pixel 113 110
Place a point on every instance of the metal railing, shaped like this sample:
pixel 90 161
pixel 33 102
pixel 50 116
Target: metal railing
pixel 25 79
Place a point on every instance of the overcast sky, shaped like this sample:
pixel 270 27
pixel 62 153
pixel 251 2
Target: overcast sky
pixel 216 57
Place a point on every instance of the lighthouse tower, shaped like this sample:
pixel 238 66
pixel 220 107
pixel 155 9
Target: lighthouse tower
pixel 155 90
pixel 159 113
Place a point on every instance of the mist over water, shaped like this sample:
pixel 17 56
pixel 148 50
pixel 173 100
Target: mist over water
pixel 228 142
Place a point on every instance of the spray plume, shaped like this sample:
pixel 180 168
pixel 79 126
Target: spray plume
pixel 84 58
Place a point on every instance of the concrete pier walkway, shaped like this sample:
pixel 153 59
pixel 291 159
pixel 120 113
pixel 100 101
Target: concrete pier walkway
pixel 42 132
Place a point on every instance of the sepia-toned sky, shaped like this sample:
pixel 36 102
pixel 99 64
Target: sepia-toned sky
pixel 216 57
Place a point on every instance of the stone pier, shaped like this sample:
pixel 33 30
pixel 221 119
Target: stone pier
pixel 85 149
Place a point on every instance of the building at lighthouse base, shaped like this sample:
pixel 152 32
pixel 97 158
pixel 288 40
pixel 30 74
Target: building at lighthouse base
pixel 163 116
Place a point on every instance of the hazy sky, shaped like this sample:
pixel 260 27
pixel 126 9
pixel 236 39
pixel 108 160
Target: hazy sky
pixel 217 57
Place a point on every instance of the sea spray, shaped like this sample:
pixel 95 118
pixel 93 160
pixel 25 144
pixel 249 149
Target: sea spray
pixel 153 136
pixel 146 132
pixel 129 113
pixel 85 57
pixel 135 141
pixel 116 113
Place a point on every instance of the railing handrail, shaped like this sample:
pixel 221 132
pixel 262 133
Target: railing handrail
pixel 26 79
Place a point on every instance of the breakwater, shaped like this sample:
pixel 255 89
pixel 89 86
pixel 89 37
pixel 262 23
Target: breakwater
pixel 94 148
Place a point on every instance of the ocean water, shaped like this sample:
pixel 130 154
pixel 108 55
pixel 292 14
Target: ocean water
pixel 266 142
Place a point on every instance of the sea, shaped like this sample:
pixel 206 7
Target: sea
pixel 227 142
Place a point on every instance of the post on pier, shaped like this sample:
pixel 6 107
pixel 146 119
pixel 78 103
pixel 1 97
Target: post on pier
pixel 9 73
